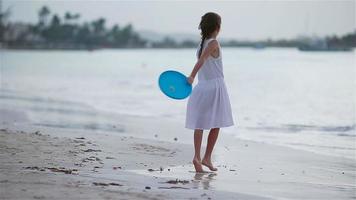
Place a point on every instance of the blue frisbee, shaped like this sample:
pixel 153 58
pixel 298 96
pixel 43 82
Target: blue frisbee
pixel 174 84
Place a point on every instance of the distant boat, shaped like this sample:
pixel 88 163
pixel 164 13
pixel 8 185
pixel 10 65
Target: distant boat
pixel 317 48
pixel 320 45
pixel 259 46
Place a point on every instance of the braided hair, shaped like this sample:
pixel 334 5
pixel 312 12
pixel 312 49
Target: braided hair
pixel 208 24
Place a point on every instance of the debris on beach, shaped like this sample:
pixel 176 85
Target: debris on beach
pixel 62 169
pixel 109 157
pixel 35 168
pixel 91 158
pixel 92 150
pixel 175 139
pixel 148 187
pixel 106 184
pixel 79 164
pixel 177 181
pixel 53 169
pixel 232 170
pixel 115 184
pixel 37 133
pixel 80 138
pixel 173 187
pixel 115 168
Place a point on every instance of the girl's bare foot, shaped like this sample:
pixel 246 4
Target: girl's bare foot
pixel 208 164
pixel 197 165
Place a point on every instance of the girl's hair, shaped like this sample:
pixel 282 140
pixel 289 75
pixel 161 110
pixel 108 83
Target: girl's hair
pixel 208 24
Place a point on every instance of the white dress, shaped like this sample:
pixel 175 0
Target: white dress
pixel 209 105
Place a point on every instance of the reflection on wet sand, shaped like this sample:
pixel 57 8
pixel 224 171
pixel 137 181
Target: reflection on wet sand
pixel 203 180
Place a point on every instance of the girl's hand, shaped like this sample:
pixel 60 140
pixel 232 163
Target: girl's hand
pixel 190 80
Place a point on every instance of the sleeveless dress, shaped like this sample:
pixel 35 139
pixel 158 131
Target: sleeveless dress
pixel 209 105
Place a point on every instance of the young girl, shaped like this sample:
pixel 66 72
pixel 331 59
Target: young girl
pixel 209 105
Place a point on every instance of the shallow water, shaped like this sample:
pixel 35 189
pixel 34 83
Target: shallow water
pixel 281 96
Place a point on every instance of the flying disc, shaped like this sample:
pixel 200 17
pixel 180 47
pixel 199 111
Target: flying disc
pixel 174 84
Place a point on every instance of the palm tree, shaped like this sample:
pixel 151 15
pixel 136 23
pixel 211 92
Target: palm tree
pixel 71 17
pixel 3 17
pixel 99 25
pixel 43 15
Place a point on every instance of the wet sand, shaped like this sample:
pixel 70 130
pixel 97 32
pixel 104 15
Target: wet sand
pixel 39 166
pixel 36 165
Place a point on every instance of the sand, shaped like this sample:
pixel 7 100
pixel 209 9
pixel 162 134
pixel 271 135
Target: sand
pixel 39 166
pixel 35 165
pixel 54 163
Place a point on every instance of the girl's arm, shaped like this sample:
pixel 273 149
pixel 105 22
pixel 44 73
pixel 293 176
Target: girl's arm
pixel 212 46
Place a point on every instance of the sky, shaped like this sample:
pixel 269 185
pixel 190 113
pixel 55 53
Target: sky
pixel 240 19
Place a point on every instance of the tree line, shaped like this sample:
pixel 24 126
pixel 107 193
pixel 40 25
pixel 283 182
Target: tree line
pixel 55 32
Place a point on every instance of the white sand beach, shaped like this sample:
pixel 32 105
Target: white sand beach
pixel 38 166
pixel 42 164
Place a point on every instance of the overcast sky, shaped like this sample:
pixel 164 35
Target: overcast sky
pixel 240 19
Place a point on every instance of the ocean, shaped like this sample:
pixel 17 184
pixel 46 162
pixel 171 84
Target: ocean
pixel 282 96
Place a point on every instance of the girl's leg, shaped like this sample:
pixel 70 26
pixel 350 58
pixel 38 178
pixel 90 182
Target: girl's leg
pixel 198 135
pixel 213 136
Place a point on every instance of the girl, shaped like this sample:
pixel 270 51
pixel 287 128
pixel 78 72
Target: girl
pixel 209 105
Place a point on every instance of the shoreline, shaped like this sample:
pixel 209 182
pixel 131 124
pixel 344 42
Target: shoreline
pixel 58 163
pixel 151 128
pixel 97 166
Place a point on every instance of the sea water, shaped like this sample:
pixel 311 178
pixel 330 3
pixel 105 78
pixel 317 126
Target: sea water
pixel 279 95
